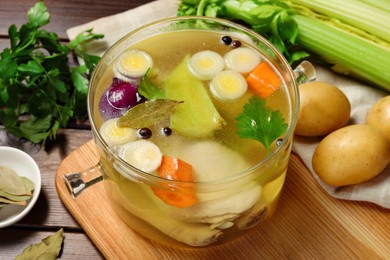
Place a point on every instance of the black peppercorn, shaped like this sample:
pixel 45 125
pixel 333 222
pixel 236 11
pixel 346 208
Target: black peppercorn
pixel 145 133
pixel 166 131
pixel 226 40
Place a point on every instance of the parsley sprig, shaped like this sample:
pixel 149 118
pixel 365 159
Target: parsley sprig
pixel 261 123
pixel 39 91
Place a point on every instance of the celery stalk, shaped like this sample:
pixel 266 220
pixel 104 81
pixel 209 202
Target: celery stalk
pixel 288 24
pixel 351 54
pixel 361 15
pixel 383 4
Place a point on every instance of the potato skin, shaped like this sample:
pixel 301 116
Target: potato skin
pixel 351 155
pixel 323 109
pixel 379 116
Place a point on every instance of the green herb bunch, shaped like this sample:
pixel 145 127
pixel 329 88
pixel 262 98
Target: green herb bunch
pixel 39 91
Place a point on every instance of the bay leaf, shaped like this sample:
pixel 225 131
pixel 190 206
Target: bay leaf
pixel 6 195
pixel 49 248
pixel 148 113
pixel 28 184
pixel 11 182
pixel 7 201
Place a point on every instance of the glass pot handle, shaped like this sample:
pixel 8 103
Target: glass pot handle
pixel 305 72
pixel 79 181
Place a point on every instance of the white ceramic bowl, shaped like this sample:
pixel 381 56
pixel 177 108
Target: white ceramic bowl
pixel 25 166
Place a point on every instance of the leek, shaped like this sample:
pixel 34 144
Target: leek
pixel 356 44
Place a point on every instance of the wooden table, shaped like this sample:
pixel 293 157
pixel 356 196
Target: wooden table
pixel 308 224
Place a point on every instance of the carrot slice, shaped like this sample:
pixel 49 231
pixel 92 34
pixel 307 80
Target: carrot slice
pixel 177 170
pixel 263 80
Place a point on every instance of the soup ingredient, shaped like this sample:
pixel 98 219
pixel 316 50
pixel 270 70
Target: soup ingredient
pixel 197 115
pixel 193 234
pixel 134 63
pixel 263 80
pixel 218 207
pixel 379 116
pixel 228 85
pixel 142 154
pixel 40 92
pixel 352 48
pixel 114 135
pixel 122 94
pixel 145 133
pixel 351 155
pixel 149 90
pixel 14 189
pixel 242 59
pixel 261 123
pixel 227 40
pixel 324 108
pixel 213 157
pixel 206 64
pixel 48 248
pixel 148 113
pixel 176 195
pixel 166 131
pixel 106 110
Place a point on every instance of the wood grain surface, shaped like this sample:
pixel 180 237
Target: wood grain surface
pixel 307 224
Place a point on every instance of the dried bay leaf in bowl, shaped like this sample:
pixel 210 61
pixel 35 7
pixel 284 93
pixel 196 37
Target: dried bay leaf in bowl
pixel 14 189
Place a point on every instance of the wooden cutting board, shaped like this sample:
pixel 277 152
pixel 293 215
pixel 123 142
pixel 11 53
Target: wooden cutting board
pixel 308 223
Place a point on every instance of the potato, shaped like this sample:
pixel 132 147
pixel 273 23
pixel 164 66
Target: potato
pixel 323 109
pixel 379 116
pixel 351 155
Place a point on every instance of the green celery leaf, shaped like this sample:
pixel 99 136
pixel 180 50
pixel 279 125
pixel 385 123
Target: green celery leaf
pixel 49 248
pixel 260 123
pixel 297 56
pixel 288 28
pixel 265 13
pixel 38 15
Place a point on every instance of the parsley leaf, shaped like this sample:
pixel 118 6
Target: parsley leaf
pixel 38 15
pixel 39 91
pixel 260 123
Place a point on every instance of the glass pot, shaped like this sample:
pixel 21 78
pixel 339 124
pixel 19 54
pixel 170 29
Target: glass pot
pixel 226 207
